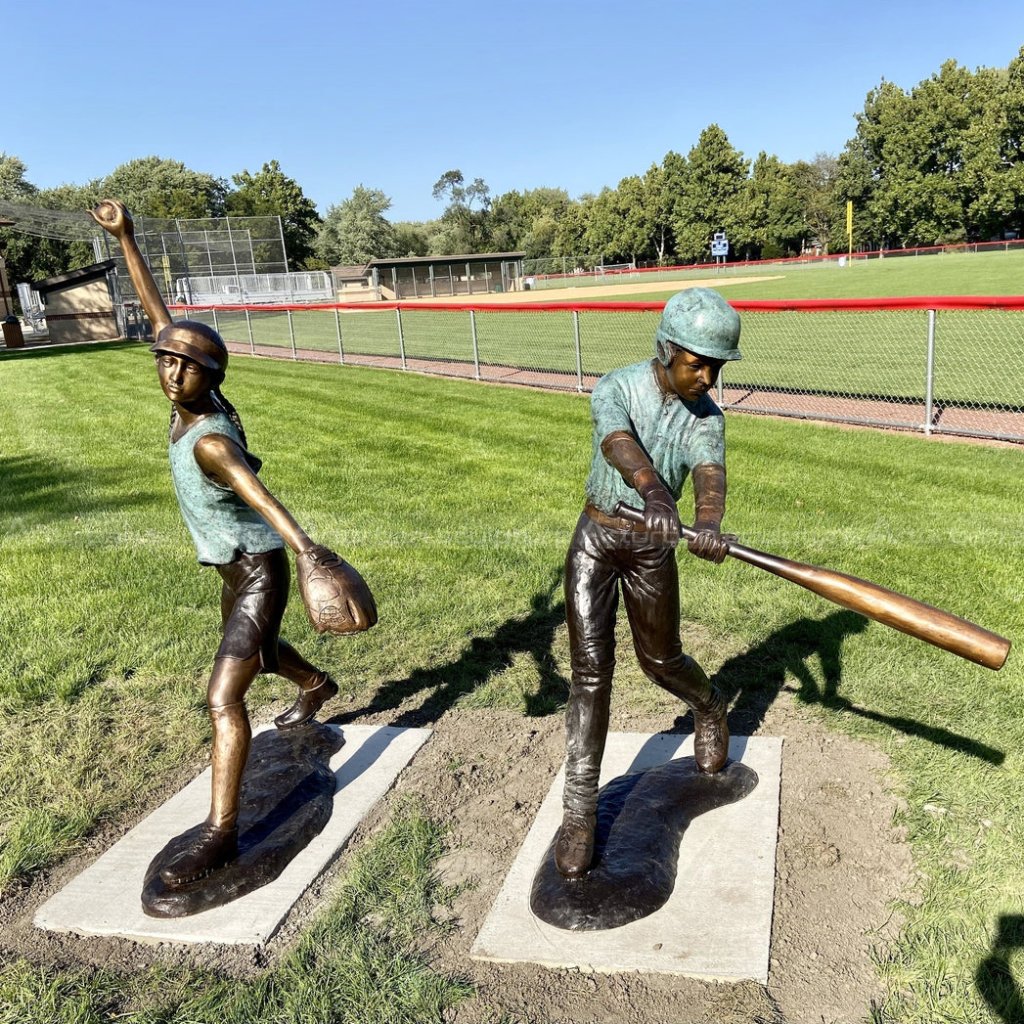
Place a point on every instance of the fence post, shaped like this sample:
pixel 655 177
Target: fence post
pixel 291 334
pixel 929 374
pixel 476 346
pixel 248 325
pixel 579 357
pixel 337 328
pixel 216 326
pixel 401 338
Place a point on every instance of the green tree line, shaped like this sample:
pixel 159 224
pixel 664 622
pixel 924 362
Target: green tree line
pixel 155 187
pixel 936 164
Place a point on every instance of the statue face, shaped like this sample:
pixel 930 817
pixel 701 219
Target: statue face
pixel 690 375
pixel 183 380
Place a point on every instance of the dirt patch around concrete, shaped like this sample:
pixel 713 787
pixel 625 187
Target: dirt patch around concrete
pixel 840 866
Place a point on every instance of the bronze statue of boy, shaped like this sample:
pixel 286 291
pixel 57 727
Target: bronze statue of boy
pixel 240 528
pixel 655 423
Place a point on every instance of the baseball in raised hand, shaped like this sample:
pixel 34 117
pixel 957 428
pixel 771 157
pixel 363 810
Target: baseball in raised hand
pixel 112 216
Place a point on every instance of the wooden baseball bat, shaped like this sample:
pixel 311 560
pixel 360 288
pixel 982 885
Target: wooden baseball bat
pixel 920 620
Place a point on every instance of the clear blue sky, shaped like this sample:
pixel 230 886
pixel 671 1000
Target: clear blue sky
pixel 523 94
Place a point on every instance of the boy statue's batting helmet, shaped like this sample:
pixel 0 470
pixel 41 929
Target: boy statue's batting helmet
pixel 701 321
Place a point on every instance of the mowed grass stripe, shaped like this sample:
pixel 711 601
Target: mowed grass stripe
pixel 952 273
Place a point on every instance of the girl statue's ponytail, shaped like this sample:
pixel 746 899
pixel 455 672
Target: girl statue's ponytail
pixel 231 412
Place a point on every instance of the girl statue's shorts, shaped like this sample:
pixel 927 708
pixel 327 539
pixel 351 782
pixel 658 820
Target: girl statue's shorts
pixel 252 603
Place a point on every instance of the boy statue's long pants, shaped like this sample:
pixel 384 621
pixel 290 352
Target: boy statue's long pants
pixel 599 558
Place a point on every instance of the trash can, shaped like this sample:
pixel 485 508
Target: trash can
pixel 13 336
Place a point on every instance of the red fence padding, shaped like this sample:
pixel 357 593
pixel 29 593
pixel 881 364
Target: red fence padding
pixel 437 307
pixel 899 302
pixel 1007 302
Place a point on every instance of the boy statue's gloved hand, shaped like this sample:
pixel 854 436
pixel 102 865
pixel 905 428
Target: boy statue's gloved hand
pixel 661 517
pixel 710 542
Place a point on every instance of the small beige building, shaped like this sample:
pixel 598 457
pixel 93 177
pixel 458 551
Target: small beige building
pixel 354 283
pixel 80 304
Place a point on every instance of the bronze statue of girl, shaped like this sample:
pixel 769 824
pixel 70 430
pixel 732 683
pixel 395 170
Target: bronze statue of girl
pixel 240 528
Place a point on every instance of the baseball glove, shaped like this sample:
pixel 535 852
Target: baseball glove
pixel 336 597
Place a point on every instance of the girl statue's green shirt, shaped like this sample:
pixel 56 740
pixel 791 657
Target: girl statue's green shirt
pixel 222 525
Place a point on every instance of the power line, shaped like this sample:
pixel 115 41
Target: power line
pixel 64 225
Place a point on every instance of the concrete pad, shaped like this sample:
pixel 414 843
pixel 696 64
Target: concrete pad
pixel 105 899
pixel 717 923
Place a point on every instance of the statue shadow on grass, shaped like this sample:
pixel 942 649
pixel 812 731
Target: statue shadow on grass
pixel 754 679
pixel 37 491
pixel 531 634
pixel 994 978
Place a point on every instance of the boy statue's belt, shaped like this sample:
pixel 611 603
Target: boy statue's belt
pixel 612 522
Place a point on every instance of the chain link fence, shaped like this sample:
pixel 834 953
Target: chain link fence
pixel 955 367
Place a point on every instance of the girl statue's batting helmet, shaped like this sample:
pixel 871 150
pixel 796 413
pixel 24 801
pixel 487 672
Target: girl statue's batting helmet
pixel 195 341
pixel 701 321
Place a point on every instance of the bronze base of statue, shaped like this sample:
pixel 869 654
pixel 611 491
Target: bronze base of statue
pixel 641 818
pixel 287 797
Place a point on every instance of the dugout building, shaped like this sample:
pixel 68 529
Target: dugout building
pixel 439 277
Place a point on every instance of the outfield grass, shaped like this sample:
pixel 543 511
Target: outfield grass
pixel 456 501
pixel 983 273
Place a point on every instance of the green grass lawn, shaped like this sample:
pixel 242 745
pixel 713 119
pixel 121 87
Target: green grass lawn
pixel 456 501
